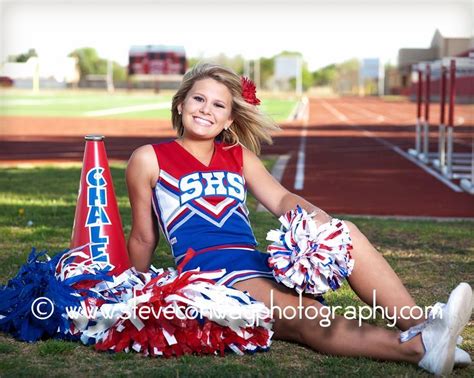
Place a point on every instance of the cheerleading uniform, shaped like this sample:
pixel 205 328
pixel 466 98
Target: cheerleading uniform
pixel 203 208
pixel 199 207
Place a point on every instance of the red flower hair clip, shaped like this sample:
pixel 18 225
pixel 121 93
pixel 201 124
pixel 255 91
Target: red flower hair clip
pixel 249 91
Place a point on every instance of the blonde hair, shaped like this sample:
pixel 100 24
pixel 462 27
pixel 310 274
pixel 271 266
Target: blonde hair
pixel 249 127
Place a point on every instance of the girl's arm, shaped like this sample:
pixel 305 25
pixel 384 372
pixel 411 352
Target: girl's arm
pixel 141 175
pixel 274 196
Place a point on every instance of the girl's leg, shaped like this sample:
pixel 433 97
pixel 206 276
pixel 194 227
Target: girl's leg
pixel 341 337
pixel 372 274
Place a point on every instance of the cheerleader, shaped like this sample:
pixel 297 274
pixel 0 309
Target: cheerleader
pixel 194 188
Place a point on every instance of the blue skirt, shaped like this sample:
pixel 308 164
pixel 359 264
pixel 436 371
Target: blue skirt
pixel 240 263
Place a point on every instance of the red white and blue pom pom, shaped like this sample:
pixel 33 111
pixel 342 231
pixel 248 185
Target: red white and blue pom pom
pixel 161 313
pixel 33 303
pixel 309 258
pixel 171 314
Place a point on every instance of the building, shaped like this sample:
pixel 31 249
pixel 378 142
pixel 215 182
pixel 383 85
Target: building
pixel 156 66
pixel 441 46
pixel 39 73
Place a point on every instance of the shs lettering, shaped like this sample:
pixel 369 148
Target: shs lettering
pixel 204 184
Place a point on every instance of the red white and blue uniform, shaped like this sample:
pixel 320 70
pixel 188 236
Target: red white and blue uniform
pixel 203 208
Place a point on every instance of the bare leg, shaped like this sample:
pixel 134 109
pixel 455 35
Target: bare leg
pixel 342 337
pixel 372 272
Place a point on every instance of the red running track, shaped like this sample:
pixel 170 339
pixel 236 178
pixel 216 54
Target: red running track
pixel 350 167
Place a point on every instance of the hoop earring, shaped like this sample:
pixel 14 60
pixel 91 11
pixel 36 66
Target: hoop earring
pixel 235 137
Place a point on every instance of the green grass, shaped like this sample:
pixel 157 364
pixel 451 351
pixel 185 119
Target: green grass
pixel 278 109
pixel 430 257
pixel 78 104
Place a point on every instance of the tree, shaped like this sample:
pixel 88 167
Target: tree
pixel 235 62
pixel 289 53
pixel 23 57
pixel 348 80
pixel 267 66
pixel 307 77
pixel 325 76
pixel 193 61
pixel 119 73
pixel 91 64
pixel 342 77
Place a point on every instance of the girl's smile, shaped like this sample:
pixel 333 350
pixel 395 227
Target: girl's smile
pixel 202 121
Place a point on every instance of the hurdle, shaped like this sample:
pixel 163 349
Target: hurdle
pixel 457 165
pixel 418 111
pixel 422 126
pixel 467 183
pixel 465 165
pixel 417 150
pixel 440 163
pixel 424 156
pixel 453 165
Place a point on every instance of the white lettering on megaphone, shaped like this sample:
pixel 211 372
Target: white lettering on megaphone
pixel 97 215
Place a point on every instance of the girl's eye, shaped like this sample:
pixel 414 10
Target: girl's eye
pixel 201 99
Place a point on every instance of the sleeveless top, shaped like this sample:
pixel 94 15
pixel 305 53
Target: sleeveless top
pixel 203 208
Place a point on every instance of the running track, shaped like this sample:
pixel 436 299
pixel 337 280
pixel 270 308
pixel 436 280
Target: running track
pixel 348 144
pixel 351 166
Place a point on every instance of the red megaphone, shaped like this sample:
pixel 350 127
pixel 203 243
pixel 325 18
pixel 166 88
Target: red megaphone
pixel 97 224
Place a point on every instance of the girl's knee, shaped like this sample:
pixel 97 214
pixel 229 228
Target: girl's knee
pixel 296 319
pixel 351 226
pixel 354 231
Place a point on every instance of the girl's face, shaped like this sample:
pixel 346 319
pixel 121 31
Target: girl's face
pixel 206 110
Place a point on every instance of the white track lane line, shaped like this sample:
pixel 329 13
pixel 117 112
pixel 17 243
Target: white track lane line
pixel 370 114
pixel 300 164
pixel 128 109
pixel 391 146
pixel 384 117
pixel 294 113
pixel 299 177
pixel 336 113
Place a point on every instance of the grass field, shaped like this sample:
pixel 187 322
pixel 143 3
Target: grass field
pixel 37 209
pixel 118 105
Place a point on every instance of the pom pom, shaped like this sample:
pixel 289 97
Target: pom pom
pixel 309 258
pixel 160 313
pixel 171 314
pixel 33 303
